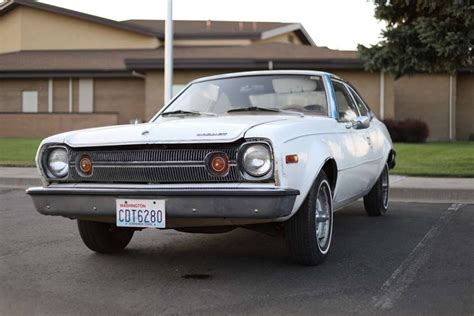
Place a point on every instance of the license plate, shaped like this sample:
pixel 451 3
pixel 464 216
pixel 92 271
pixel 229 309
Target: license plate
pixel 140 213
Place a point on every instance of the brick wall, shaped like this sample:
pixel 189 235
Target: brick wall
pixel 465 106
pixel 11 93
pixel 46 124
pixel 425 97
pixel 126 96
pixel 422 96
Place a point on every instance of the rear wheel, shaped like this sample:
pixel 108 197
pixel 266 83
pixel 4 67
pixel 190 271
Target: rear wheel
pixel 376 201
pixel 104 237
pixel 309 231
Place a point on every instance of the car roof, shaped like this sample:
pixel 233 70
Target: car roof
pixel 266 73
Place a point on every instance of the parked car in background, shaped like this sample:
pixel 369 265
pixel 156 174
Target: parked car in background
pixel 270 150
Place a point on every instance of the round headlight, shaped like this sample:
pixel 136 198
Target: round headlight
pixel 58 163
pixel 257 160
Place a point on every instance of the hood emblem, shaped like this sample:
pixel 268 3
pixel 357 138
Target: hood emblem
pixel 210 134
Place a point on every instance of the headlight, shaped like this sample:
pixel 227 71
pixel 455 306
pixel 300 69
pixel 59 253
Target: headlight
pixel 58 163
pixel 257 160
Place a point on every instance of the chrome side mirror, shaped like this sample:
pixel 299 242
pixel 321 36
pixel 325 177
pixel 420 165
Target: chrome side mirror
pixel 359 122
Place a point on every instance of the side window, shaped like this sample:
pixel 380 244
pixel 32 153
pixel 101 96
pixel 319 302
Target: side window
pixel 345 105
pixel 363 110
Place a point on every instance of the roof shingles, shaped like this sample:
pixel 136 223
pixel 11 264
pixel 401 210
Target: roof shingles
pixel 123 60
pixel 209 29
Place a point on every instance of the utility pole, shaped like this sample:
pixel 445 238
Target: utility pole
pixel 169 53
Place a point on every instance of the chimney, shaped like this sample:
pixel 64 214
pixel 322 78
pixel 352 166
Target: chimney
pixel 208 24
pixel 241 26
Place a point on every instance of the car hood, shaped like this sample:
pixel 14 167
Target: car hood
pixel 172 130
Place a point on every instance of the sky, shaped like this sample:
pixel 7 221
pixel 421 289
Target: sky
pixel 337 24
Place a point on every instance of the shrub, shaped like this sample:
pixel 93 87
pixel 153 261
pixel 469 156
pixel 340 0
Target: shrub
pixel 407 131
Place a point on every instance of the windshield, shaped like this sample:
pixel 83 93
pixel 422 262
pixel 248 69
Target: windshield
pixel 238 95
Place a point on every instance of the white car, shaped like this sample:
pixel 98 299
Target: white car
pixel 274 151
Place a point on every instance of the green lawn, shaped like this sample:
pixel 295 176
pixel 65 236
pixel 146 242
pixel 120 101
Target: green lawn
pixel 437 159
pixel 440 159
pixel 18 152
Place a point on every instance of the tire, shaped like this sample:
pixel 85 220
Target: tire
pixel 309 232
pixel 104 237
pixel 376 201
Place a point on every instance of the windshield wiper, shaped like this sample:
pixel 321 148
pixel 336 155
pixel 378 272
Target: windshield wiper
pixel 182 112
pixel 254 108
pixel 264 109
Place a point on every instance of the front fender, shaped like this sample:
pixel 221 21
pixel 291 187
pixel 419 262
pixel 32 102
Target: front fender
pixel 388 152
pixel 312 153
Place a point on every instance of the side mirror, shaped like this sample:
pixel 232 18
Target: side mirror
pixel 359 122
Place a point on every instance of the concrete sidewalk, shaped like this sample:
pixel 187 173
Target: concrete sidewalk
pixel 419 189
pixel 408 189
pixel 19 177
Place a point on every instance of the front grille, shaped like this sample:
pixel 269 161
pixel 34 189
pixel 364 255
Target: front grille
pixel 153 164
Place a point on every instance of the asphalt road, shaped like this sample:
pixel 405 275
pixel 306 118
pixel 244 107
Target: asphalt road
pixel 419 259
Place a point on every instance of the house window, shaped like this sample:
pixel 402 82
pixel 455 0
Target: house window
pixel 30 101
pixel 86 95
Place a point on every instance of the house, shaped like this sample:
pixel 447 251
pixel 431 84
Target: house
pixel 62 70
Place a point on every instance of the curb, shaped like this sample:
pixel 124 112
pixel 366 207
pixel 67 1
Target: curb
pixel 19 183
pixel 397 194
pixel 432 195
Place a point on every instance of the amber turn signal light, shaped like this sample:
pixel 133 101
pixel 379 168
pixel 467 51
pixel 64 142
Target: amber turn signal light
pixel 291 158
pixel 85 165
pixel 219 163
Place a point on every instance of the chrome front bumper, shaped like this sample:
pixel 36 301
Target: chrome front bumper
pixel 99 202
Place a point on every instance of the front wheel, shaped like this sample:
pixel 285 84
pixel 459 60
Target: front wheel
pixel 104 237
pixel 309 232
pixel 376 201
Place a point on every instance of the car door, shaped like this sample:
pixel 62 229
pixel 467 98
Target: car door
pixel 355 145
pixel 374 140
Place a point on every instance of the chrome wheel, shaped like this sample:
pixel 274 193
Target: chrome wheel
pixel 323 217
pixel 376 201
pixel 308 233
pixel 385 187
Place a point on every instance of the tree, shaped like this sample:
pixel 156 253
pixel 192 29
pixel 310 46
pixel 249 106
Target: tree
pixel 422 36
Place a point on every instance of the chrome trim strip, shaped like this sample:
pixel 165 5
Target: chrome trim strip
pixel 154 165
pixel 331 97
pixel 163 192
